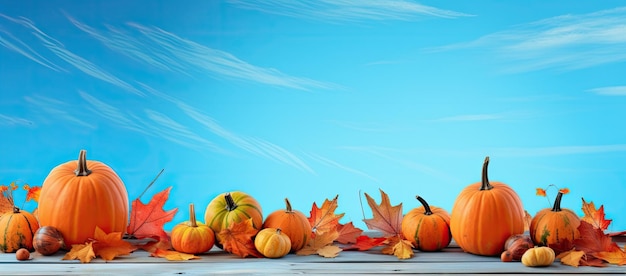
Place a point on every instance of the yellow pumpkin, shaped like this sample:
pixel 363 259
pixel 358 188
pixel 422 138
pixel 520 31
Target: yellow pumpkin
pixel 192 236
pixel 485 215
pixel 78 196
pixel 232 207
pixel 272 243
pixel 16 230
pixel 538 256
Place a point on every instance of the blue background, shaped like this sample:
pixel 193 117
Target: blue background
pixel 310 99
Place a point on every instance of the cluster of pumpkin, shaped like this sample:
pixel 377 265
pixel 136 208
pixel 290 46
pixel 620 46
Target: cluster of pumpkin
pixel 487 218
pixel 79 196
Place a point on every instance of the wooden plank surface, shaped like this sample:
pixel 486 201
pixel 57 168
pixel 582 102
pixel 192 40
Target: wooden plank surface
pixel 451 261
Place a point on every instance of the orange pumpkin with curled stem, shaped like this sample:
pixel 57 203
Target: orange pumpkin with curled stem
pixel 78 196
pixel 292 223
pixel 484 215
pixel 192 237
pixel 427 227
pixel 551 226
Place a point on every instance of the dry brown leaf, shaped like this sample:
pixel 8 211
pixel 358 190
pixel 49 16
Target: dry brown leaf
pixel 82 252
pixel 387 218
pixel 172 255
pixel 348 233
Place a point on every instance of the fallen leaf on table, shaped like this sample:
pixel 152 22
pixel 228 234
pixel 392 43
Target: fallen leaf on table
pixel 387 218
pixel 237 239
pixel 571 258
pixel 595 216
pixel 147 220
pixel 171 255
pixel 364 243
pixel 323 219
pixel 329 251
pixel 348 233
pixel 109 246
pixel 616 256
pixel 82 252
pixel 592 239
pixel 318 243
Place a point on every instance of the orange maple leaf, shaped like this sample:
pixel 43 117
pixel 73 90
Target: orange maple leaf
pixel 321 244
pixel 82 252
pixel 616 256
pixel 108 246
pixel 237 239
pixel 387 218
pixel 32 193
pixel 595 216
pixel 571 257
pixel 365 242
pixel 399 247
pixel 172 255
pixel 541 192
pixel 147 220
pixel 348 233
pixel 324 219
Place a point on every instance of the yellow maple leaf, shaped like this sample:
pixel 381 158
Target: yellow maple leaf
pixel 398 247
pixel 171 255
pixel 571 258
pixel 108 246
pixel 329 251
pixel 615 256
pixel 318 242
pixel 82 252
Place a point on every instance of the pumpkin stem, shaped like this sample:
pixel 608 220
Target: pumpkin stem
pixel 82 169
pixel 16 210
pixel 288 206
pixel 278 231
pixel 192 216
pixel 230 202
pixel 485 180
pixel 557 203
pixel 427 210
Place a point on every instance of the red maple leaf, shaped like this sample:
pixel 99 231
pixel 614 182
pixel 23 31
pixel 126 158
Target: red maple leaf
pixel 147 220
pixel 348 233
pixel 364 243
pixel 238 239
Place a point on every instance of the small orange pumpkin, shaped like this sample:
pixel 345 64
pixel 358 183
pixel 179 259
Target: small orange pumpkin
pixel 232 207
pixel 272 243
pixel 16 230
pixel 192 236
pixel 427 227
pixel 293 223
pixel 485 215
pixel 78 196
pixel 551 226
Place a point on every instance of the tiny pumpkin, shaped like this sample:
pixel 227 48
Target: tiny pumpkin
pixel 272 243
pixel 484 215
pixel 80 195
pixel 293 223
pixel 16 230
pixel 538 256
pixel 192 237
pixel 427 227
pixel 232 207
pixel 551 226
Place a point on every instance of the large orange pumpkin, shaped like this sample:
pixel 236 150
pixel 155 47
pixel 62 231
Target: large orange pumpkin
pixel 232 207
pixel 551 226
pixel 79 195
pixel 293 223
pixel 485 215
pixel 16 230
pixel 427 227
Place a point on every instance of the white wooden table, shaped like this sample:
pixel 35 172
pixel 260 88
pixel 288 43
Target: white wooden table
pixel 450 261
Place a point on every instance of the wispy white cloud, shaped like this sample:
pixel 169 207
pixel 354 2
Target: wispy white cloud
pixel 167 51
pixel 566 42
pixel 609 91
pixel 335 164
pixel 73 59
pixel 347 10
pixel 14 44
pixel 7 120
pixel 250 144
pixel 113 114
pixel 57 110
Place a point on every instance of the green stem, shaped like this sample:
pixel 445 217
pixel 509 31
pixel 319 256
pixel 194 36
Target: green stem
pixel 557 203
pixel 485 180
pixel 427 210
pixel 82 169
pixel 230 202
